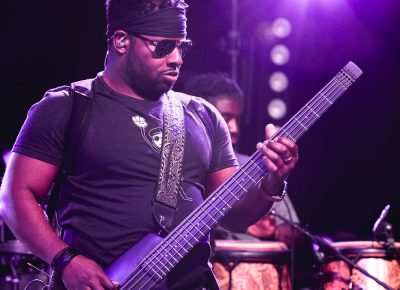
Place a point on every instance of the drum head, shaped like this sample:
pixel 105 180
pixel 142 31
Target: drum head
pixel 14 247
pixel 361 248
pixel 250 251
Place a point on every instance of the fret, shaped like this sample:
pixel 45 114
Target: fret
pixel 195 226
pixel 321 104
pixel 344 79
pixel 183 234
pixel 238 183
pixel 165 257
pixel 186 235
pixel 259 168
pixel 208 215
pixel 313 111
pixel 182 248
pixel 227 204
pixel 286 134
pixel 227 189
pixel 310 120
pixel 157 256
pixel 181 243
pixel 168 252
pixel 301 124
pixel 164 265
pixel 153 270
pixel 244 171
pixel 340 83
pixel 323 95
pixel 177 252
pixel 214 199
pixel 218 210
pixel 206 226
pixel 185 241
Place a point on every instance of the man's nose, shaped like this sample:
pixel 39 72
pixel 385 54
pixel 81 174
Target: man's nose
pixel 233 126
pixel 175 57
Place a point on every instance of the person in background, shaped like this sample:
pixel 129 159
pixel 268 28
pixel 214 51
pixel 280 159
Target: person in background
pixel 225 94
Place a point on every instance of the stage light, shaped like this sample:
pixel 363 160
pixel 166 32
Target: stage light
pixel 280 54
pixel 277 109
pixel 281 27
pixel 278 82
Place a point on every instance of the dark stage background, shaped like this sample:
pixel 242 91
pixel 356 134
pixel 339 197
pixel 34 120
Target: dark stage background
pixel 349 161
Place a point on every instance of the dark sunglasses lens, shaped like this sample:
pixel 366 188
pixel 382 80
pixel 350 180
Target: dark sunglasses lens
pixel 165 47
pixel 184 47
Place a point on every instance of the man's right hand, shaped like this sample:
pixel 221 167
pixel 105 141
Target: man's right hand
pixel 83 273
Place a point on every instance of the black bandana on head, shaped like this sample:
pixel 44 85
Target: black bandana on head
pixel 168 22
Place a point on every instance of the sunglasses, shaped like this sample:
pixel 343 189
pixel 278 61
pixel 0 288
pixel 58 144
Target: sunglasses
pixel 164 47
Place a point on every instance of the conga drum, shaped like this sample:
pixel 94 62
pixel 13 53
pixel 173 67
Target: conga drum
pixel 245 265
pixel 16 272
pixel 371 256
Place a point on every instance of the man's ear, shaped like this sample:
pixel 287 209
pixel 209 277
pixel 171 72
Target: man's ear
pixel 120 41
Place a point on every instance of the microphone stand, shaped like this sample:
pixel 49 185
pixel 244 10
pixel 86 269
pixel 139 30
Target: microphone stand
pixel 387 231
pixel 326 247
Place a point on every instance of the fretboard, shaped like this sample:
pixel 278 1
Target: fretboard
pixel 197 225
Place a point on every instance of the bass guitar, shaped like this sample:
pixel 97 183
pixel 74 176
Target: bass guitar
pixel 152 258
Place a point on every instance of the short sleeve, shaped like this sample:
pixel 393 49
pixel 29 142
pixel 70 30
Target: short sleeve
pixel 43 132
pixel 222 155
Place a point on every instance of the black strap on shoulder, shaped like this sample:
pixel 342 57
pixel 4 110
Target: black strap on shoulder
pixel 82 95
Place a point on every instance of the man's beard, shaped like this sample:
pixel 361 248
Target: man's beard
pixel 151 88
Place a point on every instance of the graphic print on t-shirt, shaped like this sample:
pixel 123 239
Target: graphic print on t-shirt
pixel 153 137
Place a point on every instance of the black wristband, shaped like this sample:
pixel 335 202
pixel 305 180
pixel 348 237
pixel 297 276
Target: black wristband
pixel 62 259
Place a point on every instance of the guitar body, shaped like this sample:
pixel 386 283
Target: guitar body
pixel 121 268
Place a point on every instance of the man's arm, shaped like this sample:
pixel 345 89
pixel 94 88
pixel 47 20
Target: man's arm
pixel 26 183
pixel 280 158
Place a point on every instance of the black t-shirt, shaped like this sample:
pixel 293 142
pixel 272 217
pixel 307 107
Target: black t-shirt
pixel 106 201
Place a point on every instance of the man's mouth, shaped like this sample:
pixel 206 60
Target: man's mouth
pixel 173 73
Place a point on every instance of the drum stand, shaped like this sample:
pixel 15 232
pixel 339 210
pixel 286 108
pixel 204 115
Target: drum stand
pixel 327 248
pixel 16 263
pixel 230 265
pixel 14 277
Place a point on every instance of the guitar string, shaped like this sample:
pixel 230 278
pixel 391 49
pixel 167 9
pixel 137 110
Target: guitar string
pixel 308 115
pixel 311 115
pixel 244 171
pixel 207 227
pixel 187 241
pixel 214 207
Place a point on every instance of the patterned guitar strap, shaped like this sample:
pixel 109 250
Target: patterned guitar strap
pixel 170 172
